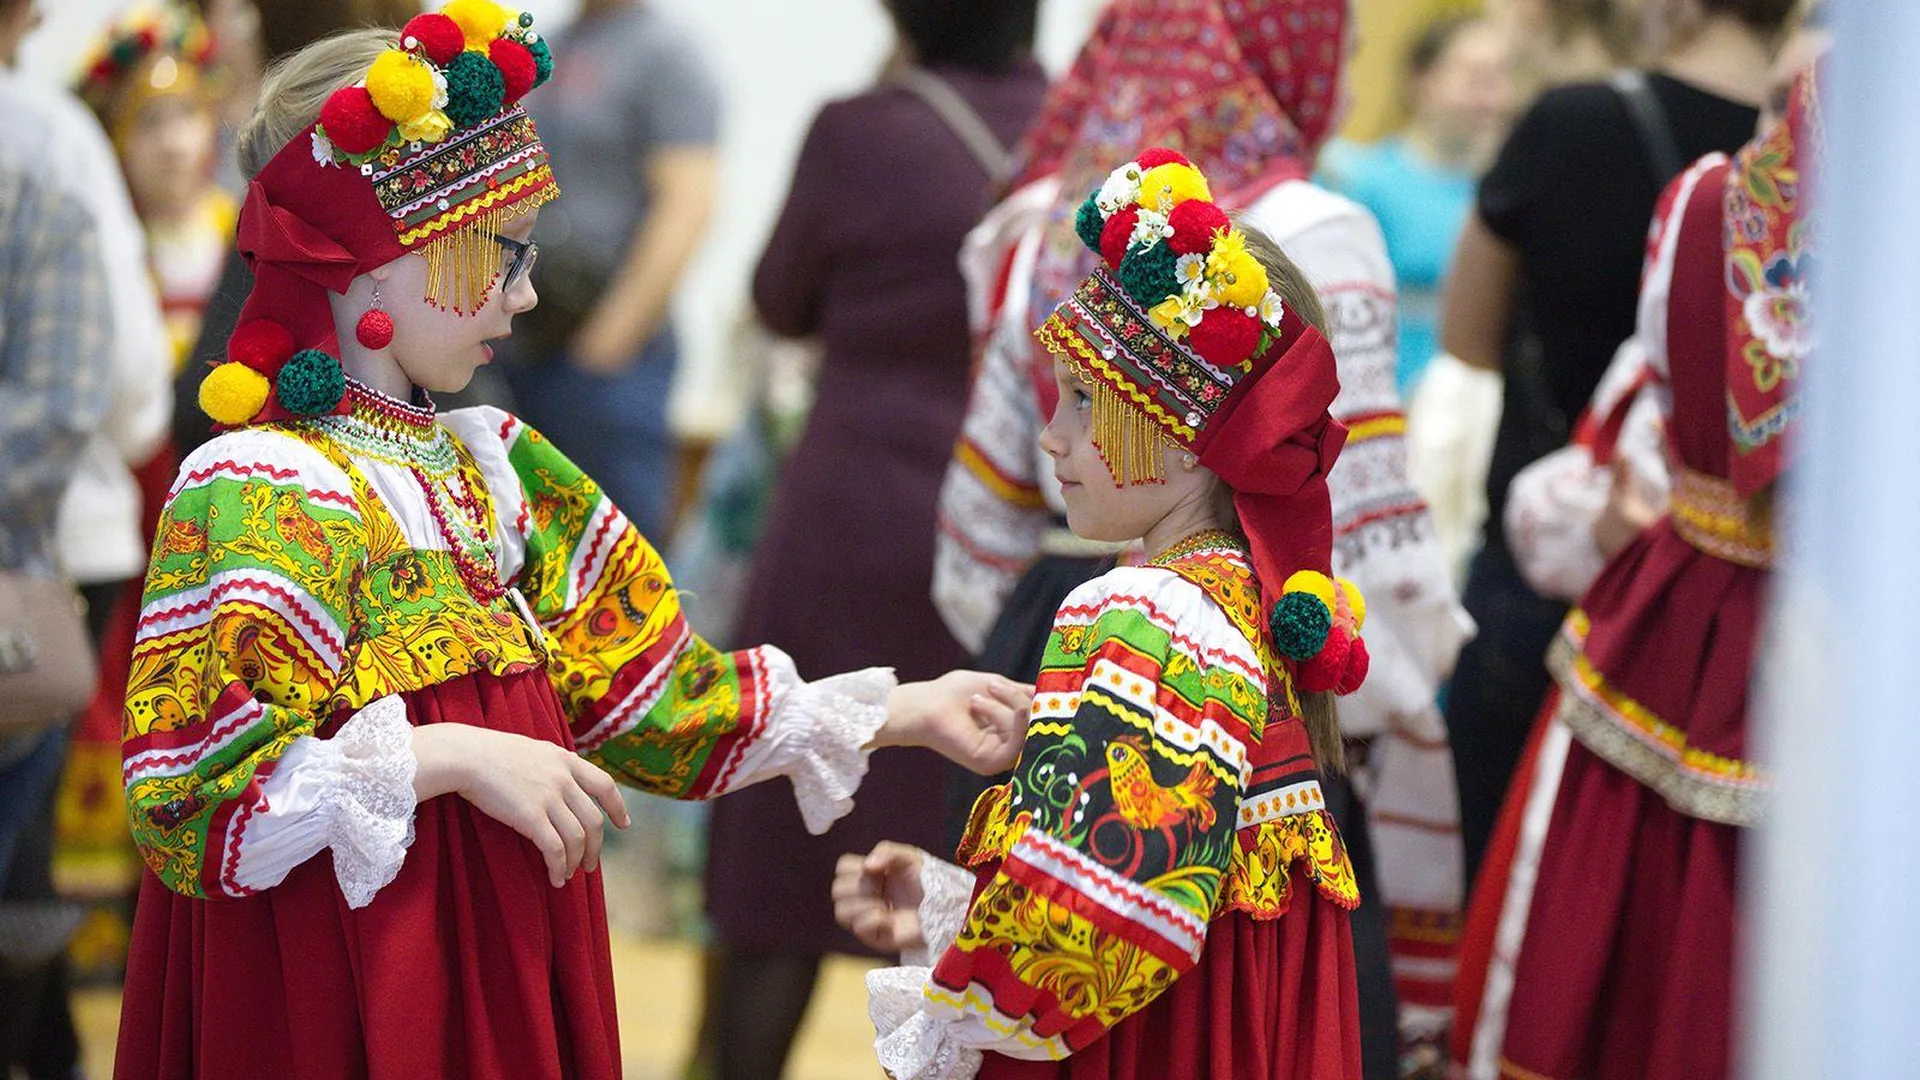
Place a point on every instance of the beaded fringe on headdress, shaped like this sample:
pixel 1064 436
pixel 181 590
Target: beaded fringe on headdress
pixel 1128 440
pixel 463 263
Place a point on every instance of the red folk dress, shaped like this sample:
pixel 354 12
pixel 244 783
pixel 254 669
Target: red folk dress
pixel 318 589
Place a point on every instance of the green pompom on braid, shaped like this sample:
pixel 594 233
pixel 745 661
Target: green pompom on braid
pixel 1300 624
pixel 311 384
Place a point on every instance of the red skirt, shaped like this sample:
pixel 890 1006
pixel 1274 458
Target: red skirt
pixel 1627 970
pixel 1270 999
pixel 468 964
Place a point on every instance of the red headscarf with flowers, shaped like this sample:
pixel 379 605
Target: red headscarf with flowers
pixel 1768 230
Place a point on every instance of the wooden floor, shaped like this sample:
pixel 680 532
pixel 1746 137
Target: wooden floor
pixel 658 983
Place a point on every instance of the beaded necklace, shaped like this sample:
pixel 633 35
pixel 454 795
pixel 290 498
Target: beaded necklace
pixel 1204 540
pixel 409 436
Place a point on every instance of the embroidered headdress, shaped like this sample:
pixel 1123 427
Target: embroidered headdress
pixel 1184 341
pixel 148 52
pixel 431 152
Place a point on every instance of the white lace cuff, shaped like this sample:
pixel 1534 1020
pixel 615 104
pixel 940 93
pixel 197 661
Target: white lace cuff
pixel 352 793
pixel 946 892
pixel 911 1044
pixel 817 736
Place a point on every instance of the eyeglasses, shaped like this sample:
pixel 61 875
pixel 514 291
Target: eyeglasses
pixel 524 252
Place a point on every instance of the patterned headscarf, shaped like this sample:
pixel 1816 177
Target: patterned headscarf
pixel 1245 89
pixel 1769 228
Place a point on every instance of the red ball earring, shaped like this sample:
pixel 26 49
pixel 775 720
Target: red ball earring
pixel 375 328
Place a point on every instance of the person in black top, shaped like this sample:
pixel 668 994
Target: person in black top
pixel 1543 290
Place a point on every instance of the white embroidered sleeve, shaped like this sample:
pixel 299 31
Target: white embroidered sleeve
pixel 352 793
pixel 817 736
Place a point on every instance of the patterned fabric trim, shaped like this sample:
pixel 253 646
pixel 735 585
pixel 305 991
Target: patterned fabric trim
pixel 1709 514
pixel 1630 737
pixel 1259 878
pixel 430 189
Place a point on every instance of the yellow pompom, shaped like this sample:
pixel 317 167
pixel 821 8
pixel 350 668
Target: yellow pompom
pixel 1164 187
pixel 233 393
pixel 1238 278
pixel 401 86
pixel 1313 583
pixel 1356 603
pixel 480 20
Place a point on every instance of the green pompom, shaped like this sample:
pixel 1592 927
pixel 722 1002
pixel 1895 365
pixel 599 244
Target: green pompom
pixel 542 60
pixel 1149 275
pixel 311 384
pixel 1301 623
pixel 475 88
pixel 1089 222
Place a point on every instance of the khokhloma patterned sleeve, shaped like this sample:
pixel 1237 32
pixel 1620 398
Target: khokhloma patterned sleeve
pixel 245 629
pixel 648 699
pixel 1112 837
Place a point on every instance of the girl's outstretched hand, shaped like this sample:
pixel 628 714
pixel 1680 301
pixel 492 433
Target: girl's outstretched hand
pixel 975 719
pixel 877 896
pixel 541 790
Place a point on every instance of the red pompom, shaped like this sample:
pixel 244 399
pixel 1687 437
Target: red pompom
pixel 1322 673
pixel 1225 336
pixel 516 67
pixel 375 329
pixel 262 345
pixel 1355 671
pixel 351 122
pixel 1118 230
pixel 1194 223
pixel 1160 155
pixel 440 38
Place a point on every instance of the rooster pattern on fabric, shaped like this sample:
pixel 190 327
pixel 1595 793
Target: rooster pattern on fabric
pixel 299 576
pixel 1162 785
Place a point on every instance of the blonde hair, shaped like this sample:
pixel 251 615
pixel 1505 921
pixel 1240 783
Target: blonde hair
pixel 296 87
pixel 1284 276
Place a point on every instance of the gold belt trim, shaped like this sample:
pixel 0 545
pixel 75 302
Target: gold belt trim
pixel 1711 516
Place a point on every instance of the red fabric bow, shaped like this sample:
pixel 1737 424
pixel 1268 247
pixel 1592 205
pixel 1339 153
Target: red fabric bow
pixel 274 234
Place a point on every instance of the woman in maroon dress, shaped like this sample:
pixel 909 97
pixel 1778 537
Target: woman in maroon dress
pixel 1624 963
pixel 864 256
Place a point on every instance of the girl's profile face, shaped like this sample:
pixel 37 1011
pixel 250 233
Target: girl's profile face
pixel 1098 508
pixel 439 348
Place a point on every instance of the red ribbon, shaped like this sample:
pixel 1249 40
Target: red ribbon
pixel 275 235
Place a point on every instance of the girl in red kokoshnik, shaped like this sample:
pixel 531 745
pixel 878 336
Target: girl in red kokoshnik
pixel 418 643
